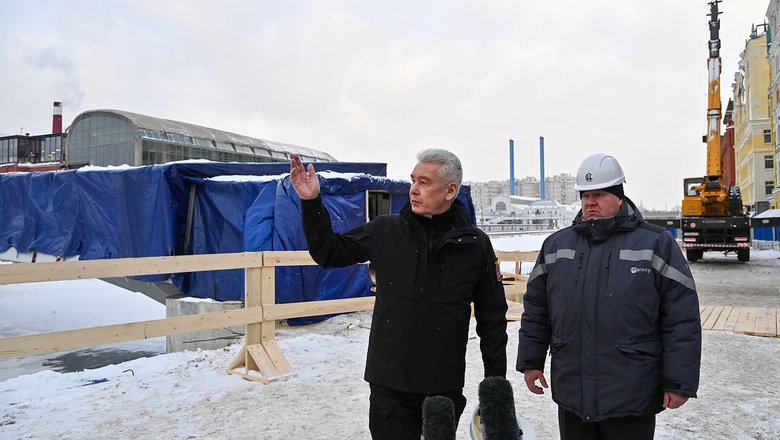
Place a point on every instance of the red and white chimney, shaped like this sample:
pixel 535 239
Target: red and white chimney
pixel 56 119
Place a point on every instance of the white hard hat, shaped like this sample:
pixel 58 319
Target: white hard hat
pixel 599 171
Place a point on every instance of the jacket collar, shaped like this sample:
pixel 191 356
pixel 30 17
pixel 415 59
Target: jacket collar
pixel 599 230
pixel 454 218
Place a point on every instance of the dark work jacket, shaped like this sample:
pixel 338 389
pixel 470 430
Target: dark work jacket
pixel 615 302
pixel 428 272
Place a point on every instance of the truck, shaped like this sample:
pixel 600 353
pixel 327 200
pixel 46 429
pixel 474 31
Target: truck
pixel 713 217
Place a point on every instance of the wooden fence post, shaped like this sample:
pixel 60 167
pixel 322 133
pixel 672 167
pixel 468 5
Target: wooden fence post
pixel 260 359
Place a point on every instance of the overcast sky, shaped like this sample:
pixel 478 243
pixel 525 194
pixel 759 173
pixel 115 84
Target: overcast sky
pixel 377 81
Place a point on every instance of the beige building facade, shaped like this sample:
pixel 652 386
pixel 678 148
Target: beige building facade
pixel 773 16
pixel 754 148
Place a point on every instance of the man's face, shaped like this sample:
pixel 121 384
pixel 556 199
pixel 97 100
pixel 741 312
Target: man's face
pixel 599 204
pixel 429 195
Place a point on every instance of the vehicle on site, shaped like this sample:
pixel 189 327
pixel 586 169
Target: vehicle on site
pixel 712 217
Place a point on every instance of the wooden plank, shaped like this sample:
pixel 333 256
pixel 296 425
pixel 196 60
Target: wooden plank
pixel 766 322
pixel 121 267
pixel 731 321
pixel 277 357
pixel 720 324
pixel 109 334
pixel 515 311
pixel 264 363
pixel 253 283
pixel 298 310
pixel 287 258
pixel 239 361
pixel 706 313
pixel 267 298
pixel 529 256
pixel 746 322
pixel 710 322
pixel 514 291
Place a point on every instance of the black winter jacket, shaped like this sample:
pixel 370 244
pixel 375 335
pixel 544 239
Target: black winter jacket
pixel 615 302
pixel 428 272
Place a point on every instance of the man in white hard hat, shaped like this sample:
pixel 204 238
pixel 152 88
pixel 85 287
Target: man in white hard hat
pixel 613 299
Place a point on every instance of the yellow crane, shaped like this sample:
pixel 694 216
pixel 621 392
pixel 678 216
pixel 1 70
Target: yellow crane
pixel 712 213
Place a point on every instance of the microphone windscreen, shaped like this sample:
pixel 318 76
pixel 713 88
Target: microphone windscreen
pixel 497 409
pixel 438 418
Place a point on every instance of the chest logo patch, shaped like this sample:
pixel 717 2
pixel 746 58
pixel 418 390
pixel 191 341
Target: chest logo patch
pixel 635 269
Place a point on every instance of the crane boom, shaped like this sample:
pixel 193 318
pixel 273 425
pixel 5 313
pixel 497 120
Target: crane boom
pixel 714 160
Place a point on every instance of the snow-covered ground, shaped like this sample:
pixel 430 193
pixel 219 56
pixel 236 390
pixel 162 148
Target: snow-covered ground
pixel 189 395
pixel 63 305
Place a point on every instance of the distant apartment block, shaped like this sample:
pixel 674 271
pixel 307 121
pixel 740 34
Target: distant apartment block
pixel 559 188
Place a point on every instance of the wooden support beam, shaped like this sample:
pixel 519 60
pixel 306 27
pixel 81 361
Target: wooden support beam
pixel 109 334
pixel 260 359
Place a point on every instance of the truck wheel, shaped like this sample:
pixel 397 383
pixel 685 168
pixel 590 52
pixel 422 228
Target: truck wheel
pixel 743 254
pixel 693 254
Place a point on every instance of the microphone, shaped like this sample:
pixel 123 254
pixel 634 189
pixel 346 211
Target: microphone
pixel 497 409
pixel 438 414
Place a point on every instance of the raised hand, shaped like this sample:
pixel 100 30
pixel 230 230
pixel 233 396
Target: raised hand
pixel 304 181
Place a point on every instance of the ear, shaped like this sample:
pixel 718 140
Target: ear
pixel 451 187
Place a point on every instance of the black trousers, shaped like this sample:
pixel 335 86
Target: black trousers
pixel 395 415
pixel 620 428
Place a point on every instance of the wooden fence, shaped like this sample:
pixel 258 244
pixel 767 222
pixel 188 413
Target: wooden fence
pixel 260 358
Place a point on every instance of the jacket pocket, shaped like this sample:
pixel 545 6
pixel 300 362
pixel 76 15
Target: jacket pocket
pixel 556 344
pixel 647 348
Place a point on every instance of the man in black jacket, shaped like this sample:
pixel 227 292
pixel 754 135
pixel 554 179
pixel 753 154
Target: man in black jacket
pixel 613 299
pixel 431 264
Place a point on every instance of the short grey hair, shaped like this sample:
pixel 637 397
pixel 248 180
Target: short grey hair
pixel 450 170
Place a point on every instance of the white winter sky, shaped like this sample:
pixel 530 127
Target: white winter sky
pixel 377 81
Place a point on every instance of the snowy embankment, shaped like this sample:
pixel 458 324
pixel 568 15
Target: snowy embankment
pixel 189 395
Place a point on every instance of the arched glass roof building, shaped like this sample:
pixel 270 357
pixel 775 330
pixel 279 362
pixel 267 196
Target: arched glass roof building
pixel 116 137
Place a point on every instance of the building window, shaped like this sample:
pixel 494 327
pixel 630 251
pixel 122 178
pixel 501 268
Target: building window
pixel 768 162
pixel 500 206
pixel 768 187
pixel 767 136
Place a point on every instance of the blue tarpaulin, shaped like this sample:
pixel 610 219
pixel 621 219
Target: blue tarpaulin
pixel 100 213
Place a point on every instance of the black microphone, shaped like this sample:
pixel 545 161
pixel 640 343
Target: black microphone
pixel 438 414
pixel 497 409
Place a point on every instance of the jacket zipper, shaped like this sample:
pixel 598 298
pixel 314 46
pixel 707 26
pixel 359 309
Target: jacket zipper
pixel 596 336
pixel 609 258
pixel 579 266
